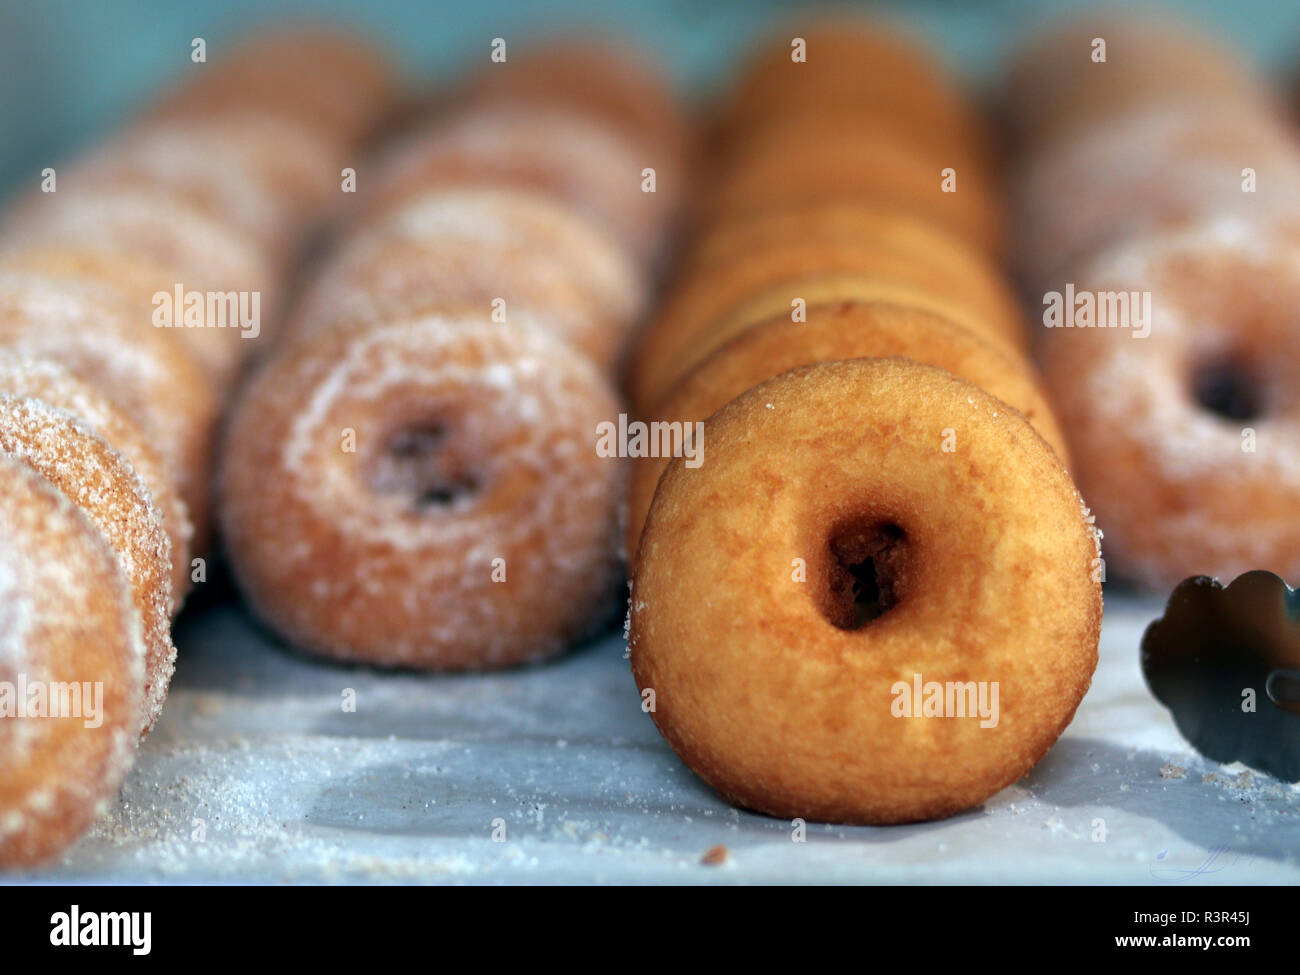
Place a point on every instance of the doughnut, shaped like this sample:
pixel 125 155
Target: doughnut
pixel 65 616
pixel 147 375
pixel 49 382
pixel 1145 171
pixel 334 81
pixel 850 64
pixel 712 304
pixel 778 635
pixel 475 246
pixel 1054 88
pixel 845 126
pixel 601 77
pixel 1187 441
pixel 836 221
pixel 576 160
pixel 94 475
pixel 857 166
pixel 473 526
pixel 844 330
pixel 260 175
pixel 185 246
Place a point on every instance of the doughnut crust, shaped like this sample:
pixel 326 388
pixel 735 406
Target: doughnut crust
pixel 984 557
pixel 842 330
pixel 65 616
pixel 472 525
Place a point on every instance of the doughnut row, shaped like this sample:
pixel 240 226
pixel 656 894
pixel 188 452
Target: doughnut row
pixel 871 496
pixel 1155 203
pixel 109 396
pixel 808 266
pixel 425 434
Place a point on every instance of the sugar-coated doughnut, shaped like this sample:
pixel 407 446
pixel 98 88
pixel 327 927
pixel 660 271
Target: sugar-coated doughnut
pixel 337 82
pixel 477 247
pixel 439 481
pixel 49 382
pixel 90 331
pixel 186 247
pixel 261 175
pixel 752 624
pixel 1144 172
pixel 602 77
pixel 65 617
pixel 94 475
pixel 577 160
pixel 1057 84
pixel 713 302
pixel 844 330
pixel 1184 412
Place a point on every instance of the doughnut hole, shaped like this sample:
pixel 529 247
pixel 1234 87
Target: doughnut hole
pixel 868 560
pixel 1228 385
pixel 427 467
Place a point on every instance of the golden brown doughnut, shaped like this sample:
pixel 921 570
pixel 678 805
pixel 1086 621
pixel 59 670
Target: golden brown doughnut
pixel 97 478
pixel 858 167
pixel 845 330
pixel 770 678
pixel 1186 441
pixel 850 63
pixel 833 126
pixel 473 525
pixel 717 301
pixel 65 616
pixel 49 382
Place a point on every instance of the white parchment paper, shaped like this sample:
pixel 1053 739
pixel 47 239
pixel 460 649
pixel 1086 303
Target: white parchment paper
pixel 257 774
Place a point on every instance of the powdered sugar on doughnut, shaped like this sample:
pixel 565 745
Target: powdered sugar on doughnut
pixel 1181 489
pixel 47 381
pixel 514 218
pixel 381 575
pixel 89 330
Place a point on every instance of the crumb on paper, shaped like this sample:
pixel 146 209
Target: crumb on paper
pixel 715 856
